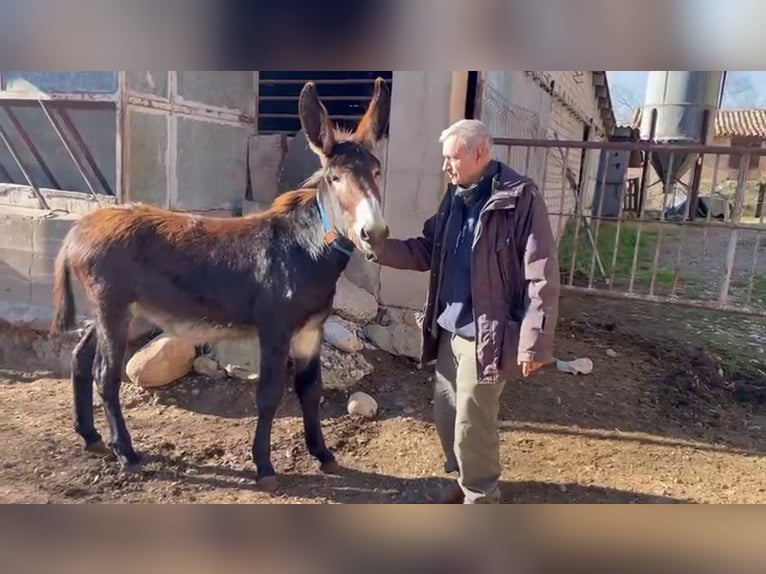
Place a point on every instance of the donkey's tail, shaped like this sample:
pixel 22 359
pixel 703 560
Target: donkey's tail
pixel 63 298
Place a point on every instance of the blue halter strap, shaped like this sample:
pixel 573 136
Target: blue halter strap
pixel 331 235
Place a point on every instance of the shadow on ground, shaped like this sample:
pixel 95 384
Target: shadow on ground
pixel 357 487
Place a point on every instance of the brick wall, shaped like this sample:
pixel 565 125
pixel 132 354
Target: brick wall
pixel 516 105
pixel 578 91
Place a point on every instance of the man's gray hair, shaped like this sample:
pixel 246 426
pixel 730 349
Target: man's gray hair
pixel 472 133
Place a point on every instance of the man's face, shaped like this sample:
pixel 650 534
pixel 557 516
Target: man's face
pixel 463 166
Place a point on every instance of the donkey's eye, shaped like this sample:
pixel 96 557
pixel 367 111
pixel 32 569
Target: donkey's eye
pixel 335 178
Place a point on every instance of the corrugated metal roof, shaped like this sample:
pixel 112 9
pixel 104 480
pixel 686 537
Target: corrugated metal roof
pixel 730 123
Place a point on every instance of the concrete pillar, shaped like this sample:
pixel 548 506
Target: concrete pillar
pixel 420 110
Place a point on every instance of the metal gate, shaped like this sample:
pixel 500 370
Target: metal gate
pixel 623 231
pixel 178 139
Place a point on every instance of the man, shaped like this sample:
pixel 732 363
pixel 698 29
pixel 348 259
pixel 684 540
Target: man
pixel 492 302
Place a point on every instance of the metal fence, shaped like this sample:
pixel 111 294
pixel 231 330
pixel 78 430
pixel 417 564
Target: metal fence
pixel 52 132
pixel 178 139
pixel 636 228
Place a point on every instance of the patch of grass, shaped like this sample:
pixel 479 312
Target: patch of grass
pixel 616 255
pixel 739 291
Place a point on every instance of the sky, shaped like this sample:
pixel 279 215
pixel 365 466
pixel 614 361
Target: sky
pixel 743 89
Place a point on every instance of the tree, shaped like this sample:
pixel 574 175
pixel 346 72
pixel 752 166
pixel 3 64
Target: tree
pixel 624 102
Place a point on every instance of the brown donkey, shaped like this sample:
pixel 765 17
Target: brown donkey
pixel 272 273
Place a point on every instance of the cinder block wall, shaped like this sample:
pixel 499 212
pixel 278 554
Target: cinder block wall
pixel 27 254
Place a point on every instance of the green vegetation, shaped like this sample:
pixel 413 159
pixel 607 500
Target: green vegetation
pixel 617 254
pixel 619 264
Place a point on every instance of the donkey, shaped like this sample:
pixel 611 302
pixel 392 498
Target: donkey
pixel 272 273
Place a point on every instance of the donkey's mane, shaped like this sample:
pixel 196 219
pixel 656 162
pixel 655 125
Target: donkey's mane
pixel 287 202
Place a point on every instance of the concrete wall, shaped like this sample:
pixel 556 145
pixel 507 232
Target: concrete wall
pixel 414 182
pixel 27 253
pixel 187 137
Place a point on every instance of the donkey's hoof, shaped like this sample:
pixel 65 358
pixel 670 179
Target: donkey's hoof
pixel 97 447
pixel 131 464
pixel 331 467
pixel 132 467
pixel 268 483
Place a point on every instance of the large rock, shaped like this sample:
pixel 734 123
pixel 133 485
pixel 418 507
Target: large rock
pixel 342 335
pixel 397 333
pixel 354 303
pixel 160 362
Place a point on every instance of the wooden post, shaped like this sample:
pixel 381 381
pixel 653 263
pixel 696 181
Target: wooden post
pixel 760 201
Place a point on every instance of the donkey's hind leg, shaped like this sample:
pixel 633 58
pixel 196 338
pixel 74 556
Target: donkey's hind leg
pixel 82 390
pixel 112 333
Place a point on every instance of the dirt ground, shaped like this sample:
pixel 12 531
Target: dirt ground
pixel 666 419
pixel 702 261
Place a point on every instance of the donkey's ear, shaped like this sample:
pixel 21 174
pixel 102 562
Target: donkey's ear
pixel 373 124
pixel 315 121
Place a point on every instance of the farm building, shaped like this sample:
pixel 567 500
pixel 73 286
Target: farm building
pixel 742 128
pixel 224 143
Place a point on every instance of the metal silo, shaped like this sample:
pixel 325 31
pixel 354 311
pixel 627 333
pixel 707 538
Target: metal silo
pixel 682 101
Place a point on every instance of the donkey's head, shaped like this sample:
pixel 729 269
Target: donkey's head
pixel 350 175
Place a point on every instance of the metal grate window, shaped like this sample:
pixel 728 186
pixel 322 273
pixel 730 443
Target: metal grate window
pixel 344 94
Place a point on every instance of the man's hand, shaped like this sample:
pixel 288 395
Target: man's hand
pixel 529 367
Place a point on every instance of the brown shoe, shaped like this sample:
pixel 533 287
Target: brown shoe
pixel 451 494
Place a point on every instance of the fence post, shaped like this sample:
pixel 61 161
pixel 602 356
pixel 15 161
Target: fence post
pixel 761 197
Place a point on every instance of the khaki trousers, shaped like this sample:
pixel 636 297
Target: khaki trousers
pixel 466 416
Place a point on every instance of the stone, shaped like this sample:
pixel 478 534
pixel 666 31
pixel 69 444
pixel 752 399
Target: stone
pixel 342 370
pixel 354 303
pixel 363 405
pixel 207 366
pixel 397 333
pixel 239 373
pixel 582 366
pixel 161 362
pixel 242 353
pixel 611 353
pixel 342 335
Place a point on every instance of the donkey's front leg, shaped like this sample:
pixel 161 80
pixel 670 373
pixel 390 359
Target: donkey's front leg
pixel 267 398
pixel 308 387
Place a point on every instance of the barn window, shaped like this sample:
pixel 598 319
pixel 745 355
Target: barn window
pixel 344 94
